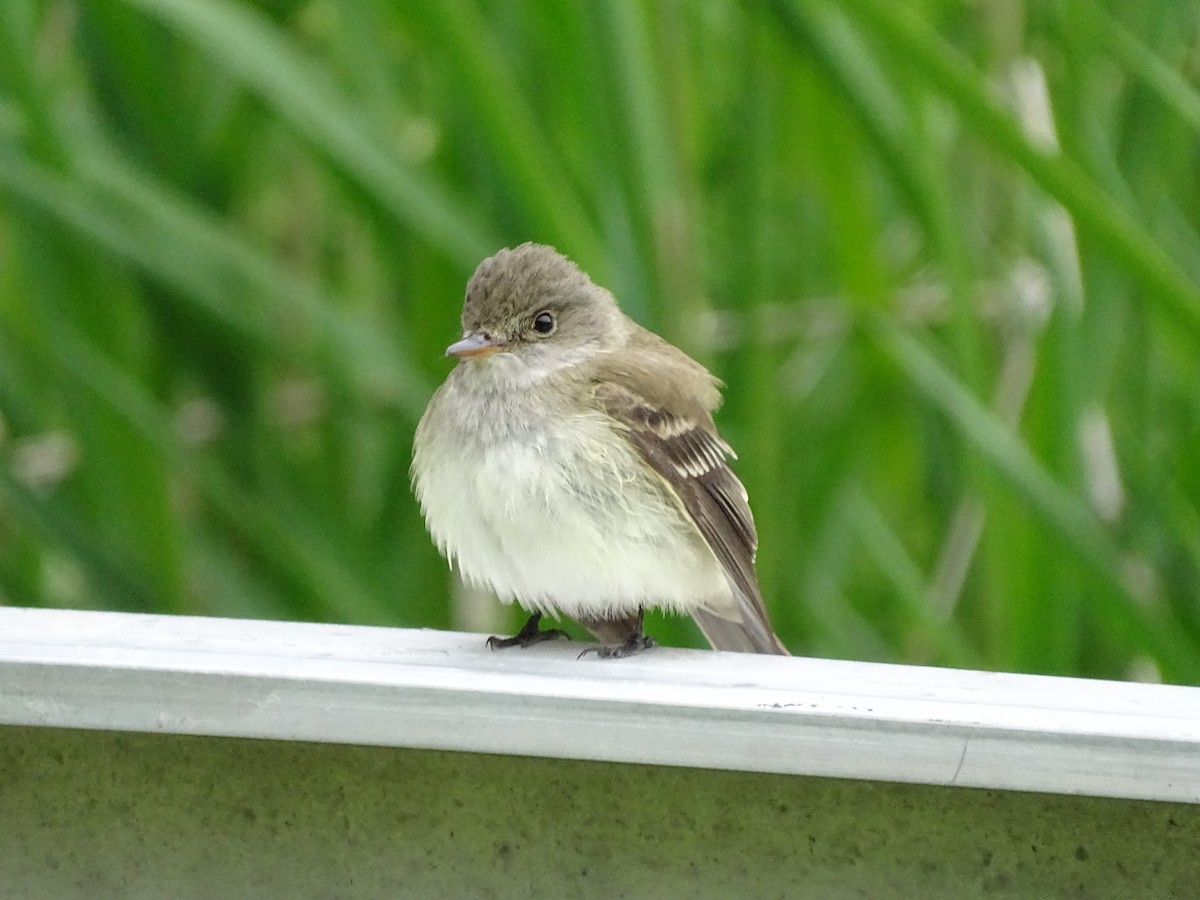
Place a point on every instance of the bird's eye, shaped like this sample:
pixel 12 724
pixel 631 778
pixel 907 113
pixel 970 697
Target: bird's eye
pixel 543 322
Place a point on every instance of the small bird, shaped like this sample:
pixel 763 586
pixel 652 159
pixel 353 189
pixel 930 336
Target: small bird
pixel 570 462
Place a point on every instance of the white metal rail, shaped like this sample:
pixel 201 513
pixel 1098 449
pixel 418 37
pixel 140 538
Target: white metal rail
pixel 442 690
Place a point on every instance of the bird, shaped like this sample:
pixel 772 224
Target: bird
pixel 570 462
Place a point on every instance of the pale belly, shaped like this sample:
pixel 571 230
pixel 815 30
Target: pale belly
pixel 573 522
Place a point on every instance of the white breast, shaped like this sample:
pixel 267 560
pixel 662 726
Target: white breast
pixel 556 511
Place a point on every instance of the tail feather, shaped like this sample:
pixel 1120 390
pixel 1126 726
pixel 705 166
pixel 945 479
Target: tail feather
pixel 740 636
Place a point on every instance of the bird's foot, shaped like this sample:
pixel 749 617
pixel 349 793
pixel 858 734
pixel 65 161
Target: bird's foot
pixel 635 644
pixel 529 635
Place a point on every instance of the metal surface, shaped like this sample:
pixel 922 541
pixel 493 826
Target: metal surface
pixel 92 815
pixel 439 690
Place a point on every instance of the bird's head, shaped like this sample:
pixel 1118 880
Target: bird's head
pixel 531 309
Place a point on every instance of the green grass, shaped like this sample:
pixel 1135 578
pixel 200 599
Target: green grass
pixel 945 256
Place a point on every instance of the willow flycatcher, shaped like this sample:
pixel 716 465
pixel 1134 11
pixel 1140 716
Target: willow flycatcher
pixel 570 461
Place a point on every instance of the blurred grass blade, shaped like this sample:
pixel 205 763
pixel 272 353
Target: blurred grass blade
pixel 1172 88
pixel 928 631
pixel 144 223
pixel 85 211
pixel 504 115
pixel 279 537
pixel 1095 213
pixel 824 32
pixel 114 577
pixel 245 45
pixel 1057 506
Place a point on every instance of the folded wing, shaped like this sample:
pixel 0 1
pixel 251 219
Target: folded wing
pixel 674 432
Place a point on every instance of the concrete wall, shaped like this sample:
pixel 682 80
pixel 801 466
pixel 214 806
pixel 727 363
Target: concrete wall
pixel 93 814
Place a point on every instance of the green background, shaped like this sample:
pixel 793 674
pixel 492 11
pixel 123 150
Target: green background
pixel 944 254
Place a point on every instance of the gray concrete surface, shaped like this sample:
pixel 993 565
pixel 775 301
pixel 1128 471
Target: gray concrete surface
pixel 93 814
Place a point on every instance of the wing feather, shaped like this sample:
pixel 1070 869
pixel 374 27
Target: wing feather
pixel 675 435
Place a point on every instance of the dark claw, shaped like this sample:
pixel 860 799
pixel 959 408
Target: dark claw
pixel 635 644
pixel 529 635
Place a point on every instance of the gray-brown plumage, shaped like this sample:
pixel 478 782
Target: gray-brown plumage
pixel 595 441
pixel 672 427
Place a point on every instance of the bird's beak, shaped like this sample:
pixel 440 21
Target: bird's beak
pixel 474 345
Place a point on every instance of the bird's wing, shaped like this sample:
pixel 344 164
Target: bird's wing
pixel 674 433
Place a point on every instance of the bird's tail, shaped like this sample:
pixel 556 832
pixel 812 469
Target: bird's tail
pixel 740 636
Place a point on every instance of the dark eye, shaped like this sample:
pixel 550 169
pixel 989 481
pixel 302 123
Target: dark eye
pixel 543 322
